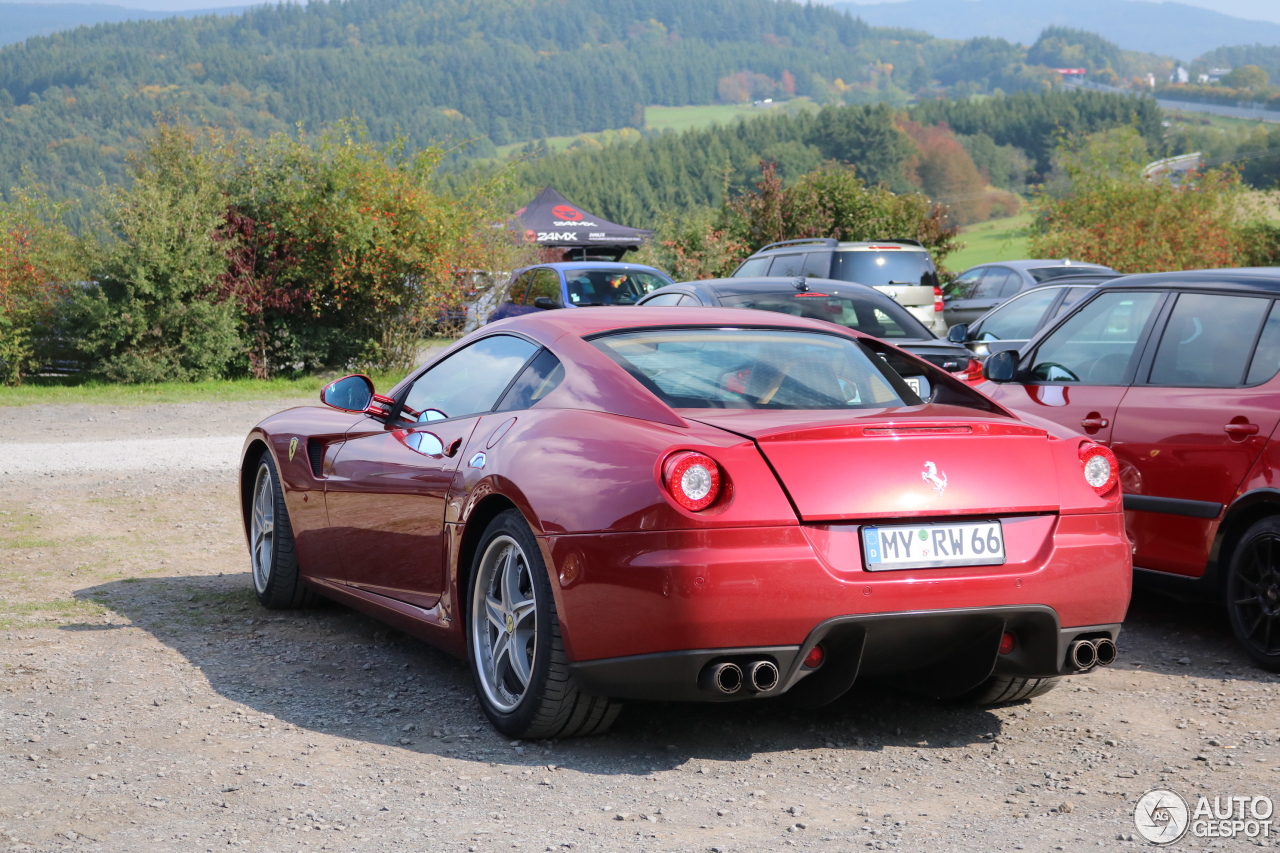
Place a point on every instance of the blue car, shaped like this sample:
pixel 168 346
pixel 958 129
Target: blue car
pixel 577 284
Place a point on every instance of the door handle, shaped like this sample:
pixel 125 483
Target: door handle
pixel 1094 422
pixel 1240 430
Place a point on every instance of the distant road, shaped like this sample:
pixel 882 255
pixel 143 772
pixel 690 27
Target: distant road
pixel 1256 114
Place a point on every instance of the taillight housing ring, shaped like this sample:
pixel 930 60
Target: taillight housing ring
pixel 1100 467
pixel 693 480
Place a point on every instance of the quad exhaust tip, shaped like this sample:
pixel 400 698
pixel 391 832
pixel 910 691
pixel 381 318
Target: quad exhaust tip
pixel 1086 654
pixel 762 676
pixel 1106 652
pixel 727 678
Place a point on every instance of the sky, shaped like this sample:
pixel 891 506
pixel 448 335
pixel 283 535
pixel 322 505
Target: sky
pixel 1256 10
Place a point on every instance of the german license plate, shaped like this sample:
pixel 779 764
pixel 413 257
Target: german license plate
pixel 931 546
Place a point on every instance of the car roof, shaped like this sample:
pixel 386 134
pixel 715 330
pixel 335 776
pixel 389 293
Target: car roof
pixel 583 322
pixel 766 284
pixel 1265 280
pixel 1035 264
pixel 597 265
pixel 841 246
pixel 1081 280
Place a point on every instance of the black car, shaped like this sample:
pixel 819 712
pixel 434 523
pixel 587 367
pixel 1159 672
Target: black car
pixel 855 306
pixel 1013 323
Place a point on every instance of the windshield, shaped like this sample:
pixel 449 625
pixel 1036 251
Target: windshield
pixel 610 287
pixel 879 269
pixel 1046 273
pixel 879 318
pixel 756 369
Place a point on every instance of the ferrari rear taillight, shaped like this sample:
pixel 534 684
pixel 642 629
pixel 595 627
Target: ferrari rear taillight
pixel 693 479
pixel 937 298
pixel 1101 470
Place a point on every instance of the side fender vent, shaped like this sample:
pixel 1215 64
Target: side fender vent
pixel 315 453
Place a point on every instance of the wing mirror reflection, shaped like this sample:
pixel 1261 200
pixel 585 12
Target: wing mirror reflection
pixel 425 443
pixel 352 393
pixel 1001 366
pixel 958 333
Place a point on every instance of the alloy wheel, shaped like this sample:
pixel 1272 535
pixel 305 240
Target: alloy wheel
pixel 262 529
pixel 1254 593
pixel 504 623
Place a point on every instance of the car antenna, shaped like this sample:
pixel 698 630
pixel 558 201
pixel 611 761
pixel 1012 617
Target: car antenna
pixel 801 285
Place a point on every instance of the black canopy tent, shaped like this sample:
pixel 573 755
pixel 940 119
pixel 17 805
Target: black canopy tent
pixel 551 220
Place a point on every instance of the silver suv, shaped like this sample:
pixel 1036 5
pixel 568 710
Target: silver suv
pixel 903 270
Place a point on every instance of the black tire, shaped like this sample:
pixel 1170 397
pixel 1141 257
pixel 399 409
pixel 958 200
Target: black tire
pixel 1002 689
pixel 277 580
pixel 1253 592
pixel 550 703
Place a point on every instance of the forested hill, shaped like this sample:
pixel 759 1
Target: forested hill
pixel 493 70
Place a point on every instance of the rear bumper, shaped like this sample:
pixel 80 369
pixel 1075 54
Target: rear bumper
pixel 942 652
pixel 638 606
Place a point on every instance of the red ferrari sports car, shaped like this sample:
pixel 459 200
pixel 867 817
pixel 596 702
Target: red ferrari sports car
pixel 655 503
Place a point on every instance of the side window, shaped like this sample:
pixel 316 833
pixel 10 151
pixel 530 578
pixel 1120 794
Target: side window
pixel 787 265
pixel 687 300
pixel 1266 360
pixel 469 381
pixel 1096 345
pixel 992 283
pixel 817 264
pixel 752 267
pixel 536 381
pixel 1073 296
pixel 664 299
pixel 1011 286
pixel 516 291
pixel 963 286
pixel 1206 341
pixel 545 283
pixel 1018 319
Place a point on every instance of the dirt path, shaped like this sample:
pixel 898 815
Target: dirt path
pixel 148 704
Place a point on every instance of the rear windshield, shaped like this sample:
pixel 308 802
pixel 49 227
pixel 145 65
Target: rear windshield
pixel 878 269
pixel 756 369
pixel 880 318
pixel 610 287
pixel 1046 273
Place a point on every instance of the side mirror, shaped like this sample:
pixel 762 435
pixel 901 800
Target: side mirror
pixel 352 393
pixel 1001 366
pixel 545 302
pixel 958 334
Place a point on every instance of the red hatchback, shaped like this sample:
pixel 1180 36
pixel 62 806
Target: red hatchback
pixel 658 503
pixel 1177 374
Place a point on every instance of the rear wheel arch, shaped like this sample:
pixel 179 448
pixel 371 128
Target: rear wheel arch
pixel 1246 511
pixel 472 532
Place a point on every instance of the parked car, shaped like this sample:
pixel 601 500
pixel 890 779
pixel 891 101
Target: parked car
pixel 576 284
pixel 1011 324
pixel 979 289
pixel 854 306
pixel 903 270
pixel 1177 374
pixel 599 505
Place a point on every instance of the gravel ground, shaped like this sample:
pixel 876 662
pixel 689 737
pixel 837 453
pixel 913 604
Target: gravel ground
pixel 147 703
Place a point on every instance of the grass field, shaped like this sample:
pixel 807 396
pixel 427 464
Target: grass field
pixel 688 118
pixel 994 240
pixel 44 390
pixel 661 118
